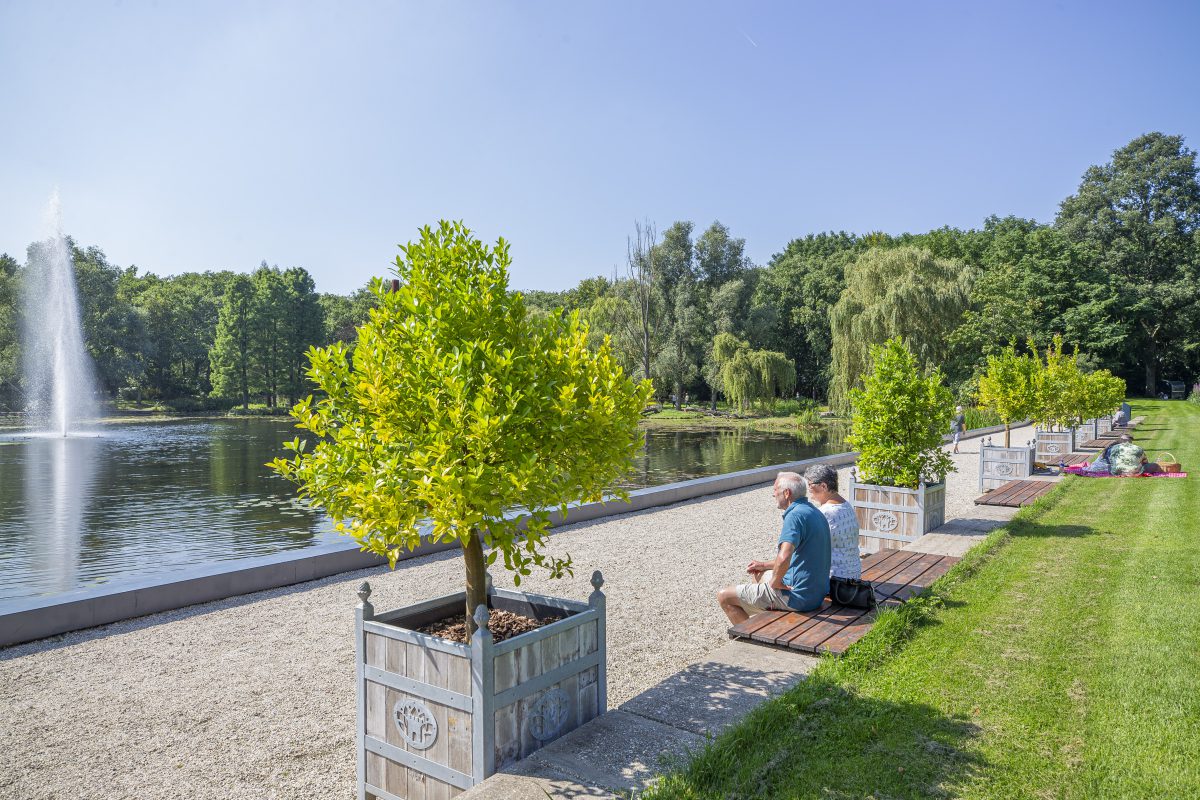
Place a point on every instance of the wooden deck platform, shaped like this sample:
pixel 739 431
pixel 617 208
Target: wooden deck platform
pixel 1099 443
pixel 1071 459
pixel 1015 494
pixel 897 575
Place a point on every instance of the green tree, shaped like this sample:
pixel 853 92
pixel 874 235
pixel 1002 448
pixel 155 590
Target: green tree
pixel 269 344
pixel 303 327
pixel 10 355
pixel 343 314
pixel 232 354
pixel 901 292
pixel 456 406
pixel 1137 218
pixel 1009 387
pixel 898 420
pixel 719 256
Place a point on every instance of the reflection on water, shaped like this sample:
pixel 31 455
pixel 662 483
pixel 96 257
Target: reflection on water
pixel 150 498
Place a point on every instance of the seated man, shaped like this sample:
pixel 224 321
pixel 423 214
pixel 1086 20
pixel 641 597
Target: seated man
pixel 1125 457
pixel 798 578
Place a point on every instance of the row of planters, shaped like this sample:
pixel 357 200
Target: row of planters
pixel 1068 405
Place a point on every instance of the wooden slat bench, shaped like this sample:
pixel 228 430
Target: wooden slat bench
pixel 897 576
pixel 1098 444
pixel 1015 494
pixel 1071 459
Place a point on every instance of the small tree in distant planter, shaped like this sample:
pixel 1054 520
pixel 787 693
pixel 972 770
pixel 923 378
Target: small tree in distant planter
pixel 454 408
pixel 1103 393
pixel 897 423
pixel 1009 387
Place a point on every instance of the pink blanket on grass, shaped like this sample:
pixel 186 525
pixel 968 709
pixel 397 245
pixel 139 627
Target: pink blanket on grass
pixel 1082 471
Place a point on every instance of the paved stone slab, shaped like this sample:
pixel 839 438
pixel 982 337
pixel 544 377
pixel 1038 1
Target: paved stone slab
pixel 702 701
pixel 523 787
pixel 619 750
pixel 773 670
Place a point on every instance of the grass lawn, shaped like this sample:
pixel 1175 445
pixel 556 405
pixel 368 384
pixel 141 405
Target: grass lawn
pixel 1061 658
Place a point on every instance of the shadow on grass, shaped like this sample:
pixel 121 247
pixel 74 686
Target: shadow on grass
pixel 1025 529
pixel 822 740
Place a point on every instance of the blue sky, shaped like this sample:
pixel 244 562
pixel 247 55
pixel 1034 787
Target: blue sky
pixel 194 136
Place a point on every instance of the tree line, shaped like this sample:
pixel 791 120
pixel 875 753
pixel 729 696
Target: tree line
pixel 1116 274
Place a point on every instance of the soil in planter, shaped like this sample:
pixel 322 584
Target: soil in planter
pixel 502 624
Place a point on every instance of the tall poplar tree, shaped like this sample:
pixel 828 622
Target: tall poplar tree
pixel 232 351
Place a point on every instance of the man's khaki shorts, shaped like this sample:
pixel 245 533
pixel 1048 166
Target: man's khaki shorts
pixel 759 596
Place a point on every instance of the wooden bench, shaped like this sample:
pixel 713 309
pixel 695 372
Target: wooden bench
pixel 1015 494
pixel 897 576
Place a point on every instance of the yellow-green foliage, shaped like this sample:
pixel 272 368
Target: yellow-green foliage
pixel 1058 388
pixel 898 420
pixel 1009 387
pixel 456 406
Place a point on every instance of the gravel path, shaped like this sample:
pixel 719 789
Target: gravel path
pixel 253 697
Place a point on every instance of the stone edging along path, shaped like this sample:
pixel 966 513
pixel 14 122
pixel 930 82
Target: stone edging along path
pixel 36 618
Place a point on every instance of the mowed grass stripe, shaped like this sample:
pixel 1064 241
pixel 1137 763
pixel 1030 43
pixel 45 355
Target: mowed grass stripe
pixel 1053 664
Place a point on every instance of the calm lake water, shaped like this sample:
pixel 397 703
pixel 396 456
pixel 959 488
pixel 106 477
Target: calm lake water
pixel 146 498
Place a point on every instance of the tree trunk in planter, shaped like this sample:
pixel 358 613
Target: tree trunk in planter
pixel 1053 445
pixel 999 465
pixel 890 517
pixel 436 717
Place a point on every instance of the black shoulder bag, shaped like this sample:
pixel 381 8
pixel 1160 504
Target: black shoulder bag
pixel 851 592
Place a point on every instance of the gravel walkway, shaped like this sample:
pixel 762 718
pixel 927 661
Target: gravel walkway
pixel 253 697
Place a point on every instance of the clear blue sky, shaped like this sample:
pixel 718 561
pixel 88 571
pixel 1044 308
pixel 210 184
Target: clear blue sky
pixel 207 135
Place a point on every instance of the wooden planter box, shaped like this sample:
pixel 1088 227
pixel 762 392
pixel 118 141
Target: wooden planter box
pixel 1086 431
pixel 999 465
pixel 436 717
pixel 890 517
pixel 1103 426
pixel 1053 445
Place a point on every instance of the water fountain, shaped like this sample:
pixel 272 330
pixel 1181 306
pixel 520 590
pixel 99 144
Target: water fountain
pixel 58 370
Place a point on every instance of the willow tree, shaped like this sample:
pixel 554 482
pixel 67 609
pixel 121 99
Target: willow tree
pixel 900 292
pixel 456 406
pixel 748 376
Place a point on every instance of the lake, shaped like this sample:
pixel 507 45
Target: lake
pixel 150 498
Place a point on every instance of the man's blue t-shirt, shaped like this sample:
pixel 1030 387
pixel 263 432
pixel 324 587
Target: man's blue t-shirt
pixel 807 530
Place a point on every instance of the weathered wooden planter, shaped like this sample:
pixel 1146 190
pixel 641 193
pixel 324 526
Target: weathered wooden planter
pixel 890 517
pixel 1053 445
pixel 999 465
pixel 1103 425
pixel 1086 431
pixel 436 717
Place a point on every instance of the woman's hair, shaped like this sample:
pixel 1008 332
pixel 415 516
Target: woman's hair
pixel 823 474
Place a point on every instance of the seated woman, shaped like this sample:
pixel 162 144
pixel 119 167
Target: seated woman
pixel 844 561
pixel 1125 457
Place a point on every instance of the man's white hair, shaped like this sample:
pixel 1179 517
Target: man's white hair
pixel 792 481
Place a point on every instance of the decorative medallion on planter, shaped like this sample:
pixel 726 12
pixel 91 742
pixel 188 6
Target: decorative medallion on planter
pixel 885 522
pixel 1053 447
pixel 548 715
pixel 1004 469
pixel 416 723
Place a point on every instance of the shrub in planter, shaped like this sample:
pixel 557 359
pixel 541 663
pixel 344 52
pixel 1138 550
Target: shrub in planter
pixel 897 423
pixel 453 407
pixel 1009 387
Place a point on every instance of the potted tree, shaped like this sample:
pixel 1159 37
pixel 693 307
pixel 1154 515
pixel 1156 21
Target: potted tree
pixel 454 408
pixel 898 486
pixel 1008 388
pixel 1056 408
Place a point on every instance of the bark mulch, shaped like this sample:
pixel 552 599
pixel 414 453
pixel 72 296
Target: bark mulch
pixel 502 624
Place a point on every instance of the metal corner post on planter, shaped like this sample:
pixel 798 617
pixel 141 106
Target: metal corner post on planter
pixel 891 517
pixel 999 465
pixel 436 717
pixel 1053 445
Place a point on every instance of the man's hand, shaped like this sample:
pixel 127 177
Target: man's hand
pixel 758 567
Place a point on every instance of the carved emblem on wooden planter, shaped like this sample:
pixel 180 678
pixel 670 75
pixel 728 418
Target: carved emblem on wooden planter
pixel 415 723
pixel 1053 447
pixel 548 715
pixel 1004 469
pixel 884 521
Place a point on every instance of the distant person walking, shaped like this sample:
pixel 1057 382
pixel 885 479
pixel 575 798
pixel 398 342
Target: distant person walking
pixel 957 425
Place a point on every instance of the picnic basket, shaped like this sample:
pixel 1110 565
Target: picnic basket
pixel 1167 462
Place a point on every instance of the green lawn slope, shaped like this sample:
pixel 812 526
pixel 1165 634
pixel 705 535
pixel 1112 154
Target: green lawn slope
pixel 1060 659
